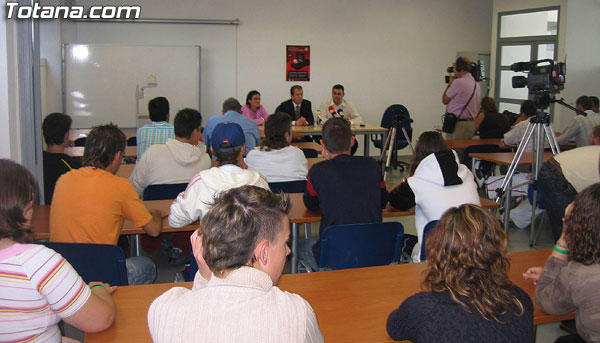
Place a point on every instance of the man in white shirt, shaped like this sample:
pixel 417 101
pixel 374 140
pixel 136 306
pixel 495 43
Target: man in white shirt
pixel 581 126
pixel 514 136
pixel 338 107
pixel 176 161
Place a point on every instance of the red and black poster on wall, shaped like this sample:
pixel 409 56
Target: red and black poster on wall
pixel 297 67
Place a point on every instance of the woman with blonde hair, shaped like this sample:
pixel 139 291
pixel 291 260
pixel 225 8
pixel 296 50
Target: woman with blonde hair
pixel 571 278
pixel 468 297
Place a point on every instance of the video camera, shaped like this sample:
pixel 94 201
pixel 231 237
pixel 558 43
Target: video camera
pixel 544 79
pixel 477 70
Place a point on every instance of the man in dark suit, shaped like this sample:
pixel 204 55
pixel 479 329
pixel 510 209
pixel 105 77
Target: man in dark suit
pixel 297 108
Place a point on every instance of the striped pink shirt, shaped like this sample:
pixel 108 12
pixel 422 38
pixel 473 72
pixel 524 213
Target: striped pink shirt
pixel 38 288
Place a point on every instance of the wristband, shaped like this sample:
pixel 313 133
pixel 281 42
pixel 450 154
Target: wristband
pixel 92 288
pixel 559 250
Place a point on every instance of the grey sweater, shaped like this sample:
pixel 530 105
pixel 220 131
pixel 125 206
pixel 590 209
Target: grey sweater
pixel 565 287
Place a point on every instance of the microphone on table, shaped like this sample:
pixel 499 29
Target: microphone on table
pixel 332 111
pixel 340 112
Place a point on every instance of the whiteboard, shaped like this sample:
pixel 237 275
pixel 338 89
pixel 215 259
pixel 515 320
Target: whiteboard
pixel 102 83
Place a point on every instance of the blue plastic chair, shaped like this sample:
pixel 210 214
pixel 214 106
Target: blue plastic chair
pixel 428 227
pixel 361 245
pixel 94 262
pixel 309 153
pixel 288 186
pixel 540 202
pixel 165 191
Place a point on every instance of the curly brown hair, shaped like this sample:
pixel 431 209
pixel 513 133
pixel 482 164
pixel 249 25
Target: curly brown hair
pixel 19 188
pixel 582 227
pixel 467 257
pixel 276 126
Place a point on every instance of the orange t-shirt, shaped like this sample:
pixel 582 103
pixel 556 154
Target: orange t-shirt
pixel 90 205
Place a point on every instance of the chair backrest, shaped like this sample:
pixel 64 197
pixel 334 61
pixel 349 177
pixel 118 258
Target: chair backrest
pixel 361 245
pixel 428 227
pixel 288 186
pixel 466 160
pixel 309 153
pixel 162 192
pixel 132 141
pixel 94 262
pixel 400 111
pixel 79 141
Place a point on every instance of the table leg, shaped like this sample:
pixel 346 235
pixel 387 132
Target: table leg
pixel 367 144
pixel 136 246
pixel 294 248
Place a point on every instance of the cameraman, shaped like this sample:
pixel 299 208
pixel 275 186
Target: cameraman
pixel 462 93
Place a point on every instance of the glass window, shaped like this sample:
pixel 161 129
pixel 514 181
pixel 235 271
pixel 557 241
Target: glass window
pixel 506 88
pixel 543 23
pixel 545 51
pixel 515 53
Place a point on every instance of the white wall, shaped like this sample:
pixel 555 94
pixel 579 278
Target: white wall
pixel 383 52
pixel 10 138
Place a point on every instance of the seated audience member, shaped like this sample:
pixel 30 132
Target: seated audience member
pixel 594 100
pixel 227 145
pixel 39 288
pixel 159 130
pixel 91 203
pixel 436 181
pixel 178 159
pixel 514 136
pixel 298 108
pixel 489 122
pixel 56 134
pixel 232 113
pixel 566 174
pixel 338 107
pixel 241 248
pixel 571 278
pixel 346 189
pixel 468 297
pixel 581 126
pixel 275 158
pixel 253 110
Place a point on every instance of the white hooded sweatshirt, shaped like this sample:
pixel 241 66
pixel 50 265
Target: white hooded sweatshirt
pixel 200 192
pixel 169 163
pixel 434 195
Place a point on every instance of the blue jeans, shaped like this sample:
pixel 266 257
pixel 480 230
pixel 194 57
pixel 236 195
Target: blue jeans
pixel 305 253
pixel 140 270
pixel 557 193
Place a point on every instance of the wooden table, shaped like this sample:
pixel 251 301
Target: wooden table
pixel 308 145
pixel 125 170
pixel 261 132
pixel 299 214
pixel 461 144
pixel 40 223
pixel 77 151
pixel 366 130
pixel 351 305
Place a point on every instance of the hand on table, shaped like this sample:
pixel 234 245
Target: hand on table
pixel 301 121
pixel 533 274
pixel 110 289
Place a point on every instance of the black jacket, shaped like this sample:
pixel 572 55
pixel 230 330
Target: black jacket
pixel 305 110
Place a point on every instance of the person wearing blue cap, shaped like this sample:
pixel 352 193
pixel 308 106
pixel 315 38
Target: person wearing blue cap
pixel 228 146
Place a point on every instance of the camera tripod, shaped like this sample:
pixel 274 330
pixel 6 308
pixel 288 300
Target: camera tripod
pixel 537 123
pixel 390 143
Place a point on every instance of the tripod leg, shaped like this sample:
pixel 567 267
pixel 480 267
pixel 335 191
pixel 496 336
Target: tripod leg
pixel 408 140
pixel 386 144
pixel 539 157
pixel 389 156
pixel 552 139
pixel 515 162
